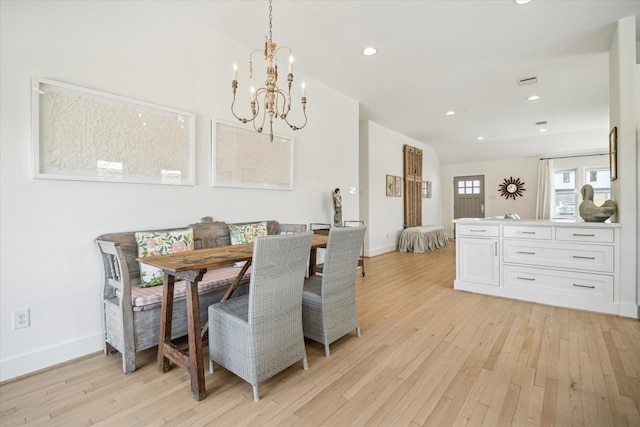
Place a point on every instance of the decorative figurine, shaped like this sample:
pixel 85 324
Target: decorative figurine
pixel 337 207
pixel 589 211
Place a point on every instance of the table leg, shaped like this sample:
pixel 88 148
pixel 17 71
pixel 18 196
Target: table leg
pixel 236 281
pixel 227 294
pixel 166 321
pixel 195 362
pixel 168 351
pixel 313 255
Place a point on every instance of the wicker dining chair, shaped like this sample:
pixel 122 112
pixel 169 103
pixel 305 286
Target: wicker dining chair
pixel 329 300
pixel 257 335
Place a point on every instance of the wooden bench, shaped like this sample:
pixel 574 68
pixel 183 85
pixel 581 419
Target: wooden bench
pixel 132 313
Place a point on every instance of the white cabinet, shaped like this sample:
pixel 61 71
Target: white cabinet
pixel 479 260
pixel 569 264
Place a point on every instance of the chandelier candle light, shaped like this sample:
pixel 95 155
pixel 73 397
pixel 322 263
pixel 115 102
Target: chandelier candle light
pixel 276 103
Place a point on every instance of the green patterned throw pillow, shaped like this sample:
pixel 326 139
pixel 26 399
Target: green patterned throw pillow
pixel 151 243
pixel 247 233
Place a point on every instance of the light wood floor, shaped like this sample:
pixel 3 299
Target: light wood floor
pixel 428 355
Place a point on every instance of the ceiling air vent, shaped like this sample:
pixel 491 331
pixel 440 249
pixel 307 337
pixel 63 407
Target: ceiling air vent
pixel 527 81
pixel 544 122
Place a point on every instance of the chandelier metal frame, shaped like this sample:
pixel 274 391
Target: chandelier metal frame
pixel 276 102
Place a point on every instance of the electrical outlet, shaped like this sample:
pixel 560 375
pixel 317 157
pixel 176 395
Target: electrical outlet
pixel 21 319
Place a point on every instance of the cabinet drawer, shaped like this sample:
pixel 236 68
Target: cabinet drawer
pixel 562 255
pixel 478 230
pixel 596 235
pixel 520 232
pixel 584 285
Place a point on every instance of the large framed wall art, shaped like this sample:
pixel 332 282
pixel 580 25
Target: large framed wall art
pixel 84 134
pixel 244 158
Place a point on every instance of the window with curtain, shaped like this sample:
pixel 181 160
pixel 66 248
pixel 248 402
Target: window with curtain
pixel 566 194
pixel 599 179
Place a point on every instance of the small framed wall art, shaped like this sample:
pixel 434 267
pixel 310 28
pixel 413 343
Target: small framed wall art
pixel 398 186
pixel 426 189
pixel 390 185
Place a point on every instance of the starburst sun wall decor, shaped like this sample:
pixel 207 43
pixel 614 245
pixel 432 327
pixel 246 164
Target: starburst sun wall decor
pixel 511 188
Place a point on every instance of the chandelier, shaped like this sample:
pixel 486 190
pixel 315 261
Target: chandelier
pixel 269 101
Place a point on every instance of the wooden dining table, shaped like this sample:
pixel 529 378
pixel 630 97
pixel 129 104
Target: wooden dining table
pixel 191 267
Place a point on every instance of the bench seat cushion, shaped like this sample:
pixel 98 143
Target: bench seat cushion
pixel 214 278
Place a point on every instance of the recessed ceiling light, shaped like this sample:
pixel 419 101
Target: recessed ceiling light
pixel 533 98
pixel 542 130
pixel 521 2
pixel 450 113
pixel 368 51
pixel 480 138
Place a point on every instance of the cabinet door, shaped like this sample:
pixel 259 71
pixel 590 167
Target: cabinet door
pixel 478 261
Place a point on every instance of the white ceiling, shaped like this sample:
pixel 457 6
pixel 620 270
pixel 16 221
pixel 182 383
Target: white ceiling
pixel 436 56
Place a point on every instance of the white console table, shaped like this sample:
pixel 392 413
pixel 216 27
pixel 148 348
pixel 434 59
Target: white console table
pixel 564 263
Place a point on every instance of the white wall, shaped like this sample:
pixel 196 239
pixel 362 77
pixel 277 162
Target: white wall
pixel 384 156
pixel 625 190
pixel 638 169
pixel 494 174
pixel 49 262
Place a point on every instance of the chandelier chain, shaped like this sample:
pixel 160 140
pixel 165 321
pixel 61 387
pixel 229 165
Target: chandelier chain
pixel 270 19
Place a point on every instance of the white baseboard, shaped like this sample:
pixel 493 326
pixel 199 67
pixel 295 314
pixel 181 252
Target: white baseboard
pixel 381 251
pixel 630 310
pixel 27 363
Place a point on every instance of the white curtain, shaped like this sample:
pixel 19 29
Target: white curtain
pixel 545 201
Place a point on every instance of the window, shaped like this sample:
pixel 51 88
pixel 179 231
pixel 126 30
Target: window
pixel 599 179
pixel 469 187
pixel 564 184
